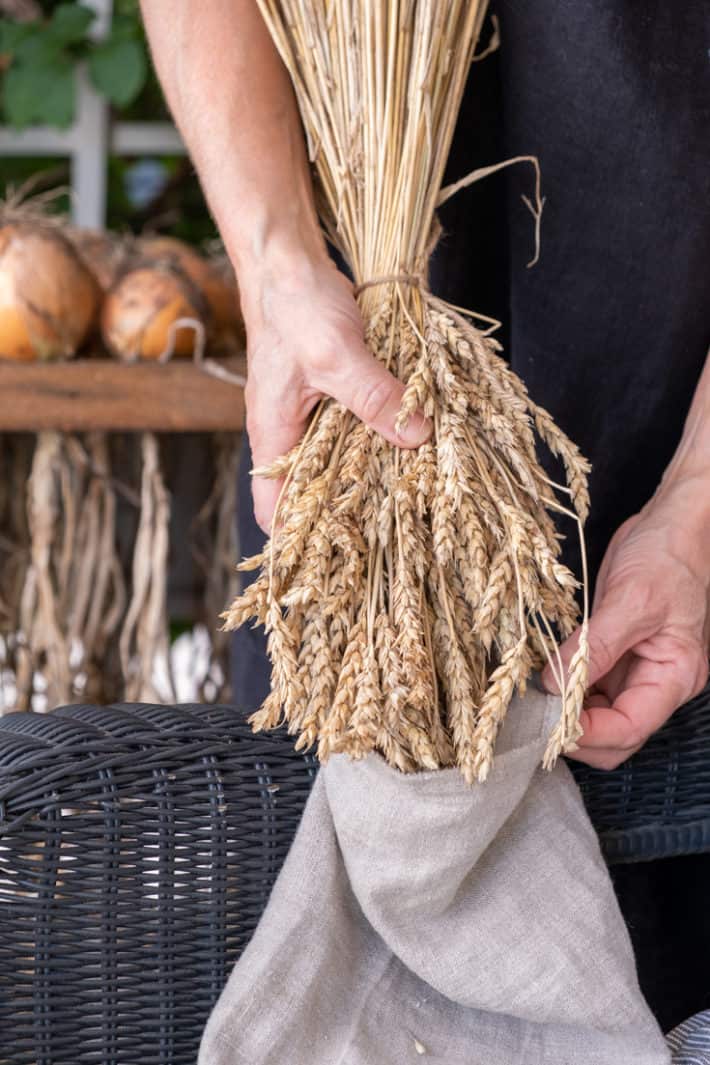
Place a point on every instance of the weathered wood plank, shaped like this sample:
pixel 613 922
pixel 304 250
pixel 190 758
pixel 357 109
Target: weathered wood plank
pixel 85 394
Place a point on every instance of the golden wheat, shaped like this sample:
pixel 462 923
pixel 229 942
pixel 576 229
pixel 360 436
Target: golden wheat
pixel 407 595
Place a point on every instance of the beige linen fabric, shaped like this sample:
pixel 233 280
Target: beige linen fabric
pixel 417 919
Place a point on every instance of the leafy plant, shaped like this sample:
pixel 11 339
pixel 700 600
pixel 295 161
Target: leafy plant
pixel 38 60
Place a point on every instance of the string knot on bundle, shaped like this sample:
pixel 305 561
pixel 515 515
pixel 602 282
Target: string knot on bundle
pixel 416 280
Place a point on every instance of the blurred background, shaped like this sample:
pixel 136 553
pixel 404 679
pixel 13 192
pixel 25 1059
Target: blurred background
pixel 79 101
pixel 81 112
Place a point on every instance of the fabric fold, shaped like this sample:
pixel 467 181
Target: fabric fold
pixel 416 916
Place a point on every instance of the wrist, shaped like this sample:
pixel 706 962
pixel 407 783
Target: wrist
pixel 286 267
pixel 682 505
pixel 264 243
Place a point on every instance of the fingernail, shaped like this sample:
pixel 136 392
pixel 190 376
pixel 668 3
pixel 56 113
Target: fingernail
pixel 549 683
pixel 416 430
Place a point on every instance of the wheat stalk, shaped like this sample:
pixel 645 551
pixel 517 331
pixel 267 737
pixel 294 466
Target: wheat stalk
pixel 409 594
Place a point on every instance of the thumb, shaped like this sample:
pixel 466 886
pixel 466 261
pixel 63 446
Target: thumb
pixel 613 630
pixel 372 393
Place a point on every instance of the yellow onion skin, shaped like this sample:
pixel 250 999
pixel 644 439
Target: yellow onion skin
pixel 140 309
pixel 215 280
pixel 48 298
pixel 105 254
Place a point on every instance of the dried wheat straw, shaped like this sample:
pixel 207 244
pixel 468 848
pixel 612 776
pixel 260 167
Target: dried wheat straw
pixel 407 595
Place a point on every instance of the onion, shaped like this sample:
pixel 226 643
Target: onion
pixel 104 253
pixel 48 298
pixel 139 313
pixel 214 277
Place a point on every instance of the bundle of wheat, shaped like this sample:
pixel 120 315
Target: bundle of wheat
pixel 407 594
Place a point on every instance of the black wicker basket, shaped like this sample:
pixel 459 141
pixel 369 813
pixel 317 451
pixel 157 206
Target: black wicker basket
pixel 139 844
pixel 657 804
pixel 138 847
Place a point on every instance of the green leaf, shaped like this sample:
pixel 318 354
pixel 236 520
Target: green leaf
pixel 69 23
pixel 125 28
pixel 127 9
pixel 37 50
pixel 118 69
pixel 12 33
pixel 19 97
pixel 40 93
pixel 58 108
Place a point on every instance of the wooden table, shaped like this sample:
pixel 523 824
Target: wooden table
pixel 101 393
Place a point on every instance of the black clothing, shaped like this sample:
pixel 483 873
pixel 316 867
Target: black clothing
pixel 611 328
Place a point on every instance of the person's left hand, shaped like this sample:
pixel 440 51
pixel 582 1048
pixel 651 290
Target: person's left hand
pixel 649 628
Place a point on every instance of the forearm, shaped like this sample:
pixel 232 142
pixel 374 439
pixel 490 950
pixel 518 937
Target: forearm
pixel 233 102
pixel 683 497
pixel 692 457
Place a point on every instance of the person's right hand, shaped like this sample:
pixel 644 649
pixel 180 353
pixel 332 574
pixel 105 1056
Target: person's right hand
pixel 305 341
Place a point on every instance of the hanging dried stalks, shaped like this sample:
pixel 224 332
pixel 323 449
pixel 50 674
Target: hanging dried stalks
pixel 214 547
pixel 407 594
pixel 73 593
pixel 144 636
pixel 69 627
pixel 96 589
pixel 16 456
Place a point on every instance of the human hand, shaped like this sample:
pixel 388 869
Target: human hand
pixel 305 341
pixel 649 628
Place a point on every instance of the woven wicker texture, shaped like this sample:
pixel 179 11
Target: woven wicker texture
pixel 657 804
pixel 138 847
pixel 139 844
